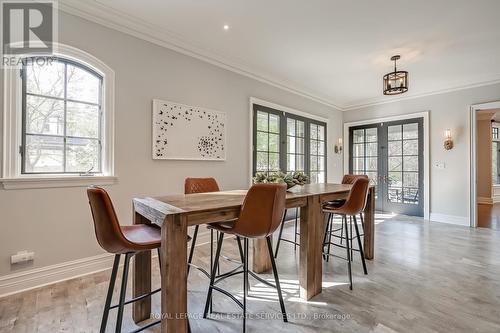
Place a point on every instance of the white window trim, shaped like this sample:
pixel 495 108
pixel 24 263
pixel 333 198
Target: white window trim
pixel 11 161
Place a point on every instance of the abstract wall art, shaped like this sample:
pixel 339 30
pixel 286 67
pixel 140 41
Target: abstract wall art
pixel 183 132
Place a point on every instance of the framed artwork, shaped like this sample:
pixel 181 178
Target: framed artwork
pixel 184 132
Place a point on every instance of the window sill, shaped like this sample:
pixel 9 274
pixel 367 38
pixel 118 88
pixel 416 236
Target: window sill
pixel 54 182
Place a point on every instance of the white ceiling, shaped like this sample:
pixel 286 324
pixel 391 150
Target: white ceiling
pixel 330 50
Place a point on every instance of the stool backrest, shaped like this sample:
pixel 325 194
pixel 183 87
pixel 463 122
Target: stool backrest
pixel 200 185
pixel 262 210
pixel 107 228
pixel 356 201
pixel 350 179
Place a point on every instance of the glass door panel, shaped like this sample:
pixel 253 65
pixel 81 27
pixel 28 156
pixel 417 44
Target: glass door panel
pixel 391 155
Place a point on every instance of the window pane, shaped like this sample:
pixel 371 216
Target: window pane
pixel 410 163
pixel 321 177
pixel 274 140
pixel 314 147
pixel 358 164
pixel 321 148
pixel 82 85
pixel 47 79
pixel 82 155
pixel 44 115
pixel 358 136
pixel 300 128
pixel 358 149
pixel 300 146
pixel 290 146
pixel 44 154
pixel 262 161
pixel 395 163
pixel 371 149
pixel 82 120
pixel 410 147
pixel 394 132
pixel 290 163
pixel 314 163
pixel 321 163
pixel 371 164
pixel 314 132
pixel 274 161
pixel 411 196
pixel 314 177
pixel 262 141
pixel 371 135
pixel 321 133
pixel 395 179
pixel 262 121
pixel 290 126
pixel 410 131
pixel 395 148
pixel 274 123
pixel 410 179
pixel 300 163
pixel 395 194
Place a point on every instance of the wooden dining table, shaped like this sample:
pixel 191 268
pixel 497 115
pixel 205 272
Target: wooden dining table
pixel 175 213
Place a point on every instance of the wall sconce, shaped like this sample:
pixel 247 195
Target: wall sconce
pixel 448 141
pixel 338 147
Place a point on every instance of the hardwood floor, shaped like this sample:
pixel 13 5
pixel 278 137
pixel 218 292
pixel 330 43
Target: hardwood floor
pixel 488 216
pixel 425 278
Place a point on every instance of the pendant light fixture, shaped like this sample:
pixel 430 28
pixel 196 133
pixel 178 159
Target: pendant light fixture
pixel 395 83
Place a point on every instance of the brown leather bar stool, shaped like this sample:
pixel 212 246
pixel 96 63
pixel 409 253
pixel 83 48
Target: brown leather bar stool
pixel 330 231
pixel 261 214
pixel 354 205
pixel 204 185
pixel 120 240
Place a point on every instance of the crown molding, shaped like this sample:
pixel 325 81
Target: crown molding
pixel 96 11
pixel 378 101
pixel 112 18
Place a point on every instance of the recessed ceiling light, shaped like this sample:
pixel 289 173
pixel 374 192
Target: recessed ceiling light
pixel 226 27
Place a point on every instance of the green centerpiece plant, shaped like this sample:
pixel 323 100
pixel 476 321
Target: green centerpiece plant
pixel 290 179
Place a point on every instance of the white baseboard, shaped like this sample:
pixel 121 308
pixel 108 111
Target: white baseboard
pixel 38 277
pixel 451 219
pixel 485 200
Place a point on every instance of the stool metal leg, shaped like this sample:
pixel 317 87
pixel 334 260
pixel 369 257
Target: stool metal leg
pixel 344 222
pixel 295 228
pixel 123 291
pixel 280 234
pixel 276 279
pixel 109 296
pixel 193 244
pixel 350 238
pixel 245 282
pixel 360 245
pixel 213 273
pixel 330 228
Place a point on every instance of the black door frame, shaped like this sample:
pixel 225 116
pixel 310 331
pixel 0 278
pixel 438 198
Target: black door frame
pixel 382 201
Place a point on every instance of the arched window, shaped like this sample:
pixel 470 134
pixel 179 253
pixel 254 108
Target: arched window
pixel 61 118
pixel 59 121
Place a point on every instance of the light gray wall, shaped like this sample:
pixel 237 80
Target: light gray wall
pixel 448 187
pixel 56 223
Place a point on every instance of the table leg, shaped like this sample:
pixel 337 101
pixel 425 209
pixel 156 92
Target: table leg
pixel 141 281
pixel 312 228
pixel 369 227
pixel 174 274
pixel 261 259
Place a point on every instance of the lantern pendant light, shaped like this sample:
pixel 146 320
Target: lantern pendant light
pixel 396 82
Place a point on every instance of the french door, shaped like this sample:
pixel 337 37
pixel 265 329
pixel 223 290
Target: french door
pixel 391 154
